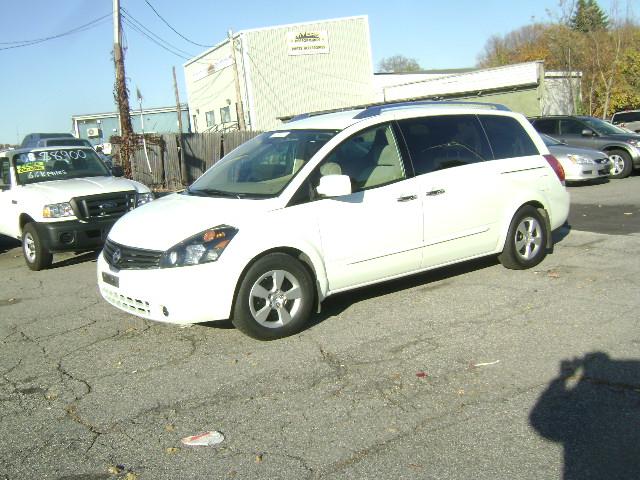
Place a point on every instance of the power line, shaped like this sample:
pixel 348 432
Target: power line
pixel 161 43
pixel 81 28
pixel 168 25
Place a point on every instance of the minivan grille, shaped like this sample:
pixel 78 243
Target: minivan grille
pixel 104 205
pixel 129 258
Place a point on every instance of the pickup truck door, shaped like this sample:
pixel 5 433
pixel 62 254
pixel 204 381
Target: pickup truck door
pixel 9 223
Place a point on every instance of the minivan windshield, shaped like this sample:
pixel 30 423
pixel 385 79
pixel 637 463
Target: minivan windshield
pixel 261 167
pixel 602 127
pixel 58 164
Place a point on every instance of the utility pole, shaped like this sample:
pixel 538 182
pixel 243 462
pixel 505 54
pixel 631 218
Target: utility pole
pixel 121 94
pixel 239 108
pixel 183 167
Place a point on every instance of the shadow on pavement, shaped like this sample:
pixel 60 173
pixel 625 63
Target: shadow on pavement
pixel 593 409
pixel 8 243
pixel 336 304
pixel 81 258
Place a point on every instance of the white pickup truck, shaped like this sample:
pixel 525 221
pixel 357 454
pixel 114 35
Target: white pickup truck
pixel 61 199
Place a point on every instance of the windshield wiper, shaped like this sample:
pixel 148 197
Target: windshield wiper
pixel 212 192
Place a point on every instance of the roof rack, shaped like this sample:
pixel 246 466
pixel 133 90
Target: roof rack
pixel 378 109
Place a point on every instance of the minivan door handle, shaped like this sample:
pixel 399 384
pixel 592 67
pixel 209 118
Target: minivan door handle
pixel 407 198
pixel 433 193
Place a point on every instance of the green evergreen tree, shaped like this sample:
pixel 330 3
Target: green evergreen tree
pixel 588 17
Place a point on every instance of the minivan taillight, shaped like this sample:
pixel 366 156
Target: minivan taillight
pixel 555 164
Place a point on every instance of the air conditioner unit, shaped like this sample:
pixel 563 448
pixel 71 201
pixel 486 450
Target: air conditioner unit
pixel 93 132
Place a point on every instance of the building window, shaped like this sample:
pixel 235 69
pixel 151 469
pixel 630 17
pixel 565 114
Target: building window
pixel 195 124
pixel 211 118
pixel 225 114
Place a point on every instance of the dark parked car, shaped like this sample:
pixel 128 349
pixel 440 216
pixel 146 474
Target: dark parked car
pixel 31 140
pixel 622 146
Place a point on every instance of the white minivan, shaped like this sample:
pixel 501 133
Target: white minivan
pixel 334 202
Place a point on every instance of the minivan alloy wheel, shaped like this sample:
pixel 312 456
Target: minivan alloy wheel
pixel 526 243
pixel 275 298
pixel 528 238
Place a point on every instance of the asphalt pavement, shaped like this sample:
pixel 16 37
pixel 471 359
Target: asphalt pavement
pixel 472 371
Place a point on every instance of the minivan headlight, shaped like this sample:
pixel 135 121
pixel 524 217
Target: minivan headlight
pixel 204 247
pixel 57 210
pixel 142 198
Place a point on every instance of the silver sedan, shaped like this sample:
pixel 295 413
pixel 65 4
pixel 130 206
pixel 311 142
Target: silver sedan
pixel 579 163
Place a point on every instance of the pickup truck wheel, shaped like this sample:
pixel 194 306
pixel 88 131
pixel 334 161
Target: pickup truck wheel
pixel 274 299
pixel 622 164
pixel 36 256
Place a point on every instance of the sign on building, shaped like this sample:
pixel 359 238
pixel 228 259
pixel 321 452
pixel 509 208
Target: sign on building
pixel 307 42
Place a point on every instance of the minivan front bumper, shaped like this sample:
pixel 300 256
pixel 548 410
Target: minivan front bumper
pixel 183 295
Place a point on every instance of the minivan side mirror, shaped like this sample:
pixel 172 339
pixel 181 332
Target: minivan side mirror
pixel 334 186
pixel 588 133
pixel 117 171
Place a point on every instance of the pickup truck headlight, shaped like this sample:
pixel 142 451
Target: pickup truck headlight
pixel 204 247
pixel 142 198
pixel 57 210
pixel 579 159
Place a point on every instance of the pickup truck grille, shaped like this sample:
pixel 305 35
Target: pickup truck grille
pixel 113 204
pixel 129 258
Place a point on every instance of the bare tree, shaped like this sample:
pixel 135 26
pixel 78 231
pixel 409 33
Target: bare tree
pixel 398 64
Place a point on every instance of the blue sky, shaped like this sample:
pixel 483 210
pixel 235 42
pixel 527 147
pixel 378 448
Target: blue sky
pixel 43 85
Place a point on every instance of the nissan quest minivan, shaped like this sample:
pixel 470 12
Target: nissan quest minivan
pixel 332 202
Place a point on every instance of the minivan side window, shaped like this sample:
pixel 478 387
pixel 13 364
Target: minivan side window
pixel 507 137
pixel 370 158
pixel 444 141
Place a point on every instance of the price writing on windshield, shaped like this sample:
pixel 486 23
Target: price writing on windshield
pixel 61 155
pixel 30 167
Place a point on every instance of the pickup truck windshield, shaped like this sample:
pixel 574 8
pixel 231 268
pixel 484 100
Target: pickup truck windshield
pixel 58 164
pixel 263 166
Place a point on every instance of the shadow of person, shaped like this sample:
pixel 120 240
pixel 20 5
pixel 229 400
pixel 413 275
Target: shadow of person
pixel 593 409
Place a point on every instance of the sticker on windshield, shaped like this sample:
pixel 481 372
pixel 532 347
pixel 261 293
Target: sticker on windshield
pixel 51 174
pixel 30 167
pixel 279 134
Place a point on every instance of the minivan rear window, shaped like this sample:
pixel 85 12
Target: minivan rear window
pixel 507 137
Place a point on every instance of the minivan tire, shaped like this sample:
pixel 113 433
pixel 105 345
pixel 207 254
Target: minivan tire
pixel 274 299
pixel 35 254
pixel 622 164
pixel 526 242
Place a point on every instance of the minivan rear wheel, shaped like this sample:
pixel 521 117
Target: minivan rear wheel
pixel 621 164
pixel 526 243
pixel 274 299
